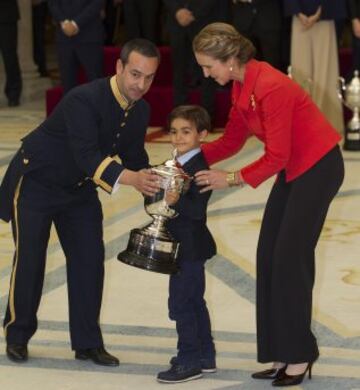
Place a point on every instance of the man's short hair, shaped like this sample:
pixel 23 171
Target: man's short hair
pixel 141 46
pixel 192 113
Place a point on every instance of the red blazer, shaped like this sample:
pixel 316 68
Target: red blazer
pixel 277 111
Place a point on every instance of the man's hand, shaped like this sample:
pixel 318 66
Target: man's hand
pixel 184 17
pixel 145 181
pixel 69 28
pixel 356 27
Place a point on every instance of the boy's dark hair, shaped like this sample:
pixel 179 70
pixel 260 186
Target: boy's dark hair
pixel 192 113
pixel 141 46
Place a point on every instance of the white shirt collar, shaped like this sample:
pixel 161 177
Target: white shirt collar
pixel 183 159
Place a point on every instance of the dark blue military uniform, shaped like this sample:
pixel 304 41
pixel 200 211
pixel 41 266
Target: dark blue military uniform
pixel 186 291
pixel 53 179
pixel 261 22
pixel 84 48
pixel 183 60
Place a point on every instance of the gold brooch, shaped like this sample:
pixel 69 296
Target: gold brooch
pixel 253 102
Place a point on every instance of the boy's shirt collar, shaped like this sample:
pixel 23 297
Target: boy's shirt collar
pixel 183 159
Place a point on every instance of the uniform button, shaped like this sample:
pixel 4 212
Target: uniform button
pixel 22 151
pixel 123 124
pixel 117 135
pixel 25 161
pixel 126 114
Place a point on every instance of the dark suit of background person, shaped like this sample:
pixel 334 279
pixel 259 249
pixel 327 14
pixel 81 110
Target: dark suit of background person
pixel 140 19
pixel 85 47
pixel 39 13
pixel 186 290
pixel 111 20
pixel 53 179
pixel 354 14
pixel 205 12
pixel 9 16
pixel 261 22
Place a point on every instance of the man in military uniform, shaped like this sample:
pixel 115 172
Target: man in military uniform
pixel 53 179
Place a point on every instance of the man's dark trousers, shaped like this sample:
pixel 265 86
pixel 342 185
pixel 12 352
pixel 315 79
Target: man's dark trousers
pixel 77 216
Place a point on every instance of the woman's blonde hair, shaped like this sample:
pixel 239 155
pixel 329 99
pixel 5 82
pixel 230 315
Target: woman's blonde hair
pixel 222 41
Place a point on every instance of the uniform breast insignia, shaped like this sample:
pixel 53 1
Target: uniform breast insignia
pixel 253 102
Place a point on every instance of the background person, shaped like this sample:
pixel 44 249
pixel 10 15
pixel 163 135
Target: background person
pixel 79 39
pixel 9 16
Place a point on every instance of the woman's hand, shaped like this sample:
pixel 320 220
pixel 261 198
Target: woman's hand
pixel 308 21
pixel 303 19
pixel 212 179
pixel 312 19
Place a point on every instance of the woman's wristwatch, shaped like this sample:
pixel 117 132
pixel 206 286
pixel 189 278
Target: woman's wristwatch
pixel 233 180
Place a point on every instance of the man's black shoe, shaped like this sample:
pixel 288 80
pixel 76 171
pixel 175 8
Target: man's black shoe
pixel 18 353
pixel 13 102
pixel 98 356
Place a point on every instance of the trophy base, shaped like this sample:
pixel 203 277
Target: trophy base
pixel 150 253
pixel 351 144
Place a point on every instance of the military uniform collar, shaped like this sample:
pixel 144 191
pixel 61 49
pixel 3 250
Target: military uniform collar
pixel 120 98
pixel 244 92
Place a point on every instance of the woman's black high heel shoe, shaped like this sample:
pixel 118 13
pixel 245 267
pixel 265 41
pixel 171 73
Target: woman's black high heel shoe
pixel 272 373
pixel 292 380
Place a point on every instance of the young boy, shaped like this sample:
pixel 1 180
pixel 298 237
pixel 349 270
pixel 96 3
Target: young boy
pixel 188 126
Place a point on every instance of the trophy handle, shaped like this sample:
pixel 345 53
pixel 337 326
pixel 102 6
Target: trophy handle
pixel 340 89
pixel 289 72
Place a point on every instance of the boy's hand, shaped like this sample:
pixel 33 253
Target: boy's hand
pixel 171 197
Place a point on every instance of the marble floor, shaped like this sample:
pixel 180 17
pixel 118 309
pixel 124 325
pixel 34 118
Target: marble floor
pixel 134 315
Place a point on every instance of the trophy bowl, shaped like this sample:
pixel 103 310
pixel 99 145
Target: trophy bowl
pixel 152 247
pixel 349 94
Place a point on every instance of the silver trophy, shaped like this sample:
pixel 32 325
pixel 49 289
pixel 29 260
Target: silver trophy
pixel 152 247
pixel 351 100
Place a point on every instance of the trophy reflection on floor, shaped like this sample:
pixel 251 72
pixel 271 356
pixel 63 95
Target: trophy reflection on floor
pixel 152 248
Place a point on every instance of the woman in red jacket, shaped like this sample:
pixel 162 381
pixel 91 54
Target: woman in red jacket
pixel 301 148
